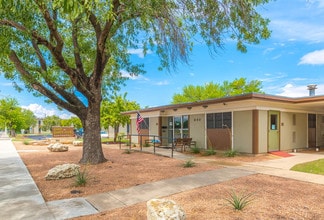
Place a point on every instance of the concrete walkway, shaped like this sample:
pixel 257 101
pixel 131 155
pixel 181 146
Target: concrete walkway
pixel 19 195
pixel 21 199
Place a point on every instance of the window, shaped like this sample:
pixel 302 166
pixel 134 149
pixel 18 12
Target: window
pixel 273 122
pixel 219 120
pixel 145 124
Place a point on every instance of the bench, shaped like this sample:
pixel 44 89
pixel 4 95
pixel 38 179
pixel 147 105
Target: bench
pixel 183 143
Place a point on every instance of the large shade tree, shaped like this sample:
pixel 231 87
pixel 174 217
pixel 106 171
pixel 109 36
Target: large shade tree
pixel 73 51
pixel 211 90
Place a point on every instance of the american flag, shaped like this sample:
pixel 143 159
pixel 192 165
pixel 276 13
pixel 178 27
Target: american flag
pixel 139 120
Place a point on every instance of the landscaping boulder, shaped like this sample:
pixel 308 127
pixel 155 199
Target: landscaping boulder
pixel 62 171
pixel 164 209
pixel 58 147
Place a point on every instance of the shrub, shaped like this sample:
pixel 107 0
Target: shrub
pixel 127 151
pixel 189 163
pixel 26 143
pixel 230 153
pixel 195 150
pixel 209 152
pixel 81 178
pixel 239 201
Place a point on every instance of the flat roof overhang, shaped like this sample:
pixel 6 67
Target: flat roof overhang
pixel 313 102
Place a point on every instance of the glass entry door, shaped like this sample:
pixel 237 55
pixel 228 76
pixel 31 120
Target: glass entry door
pixel 178 127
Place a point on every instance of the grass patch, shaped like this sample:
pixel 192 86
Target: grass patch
pixel 189 163
pixel 81 178
pixel 239 200
pixel 315 167
pixel 195 150
pixel 209 152
pixel 230 153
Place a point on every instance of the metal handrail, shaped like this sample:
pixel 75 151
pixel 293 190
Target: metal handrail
pixel 155 137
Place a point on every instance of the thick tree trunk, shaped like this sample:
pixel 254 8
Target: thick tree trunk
pixel 92 148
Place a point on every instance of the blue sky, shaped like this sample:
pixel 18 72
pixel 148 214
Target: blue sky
pixel 286 63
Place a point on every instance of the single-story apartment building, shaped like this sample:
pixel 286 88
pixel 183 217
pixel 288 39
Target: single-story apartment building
pixel 251 123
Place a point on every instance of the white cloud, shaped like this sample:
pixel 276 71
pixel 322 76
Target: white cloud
pixel 128 75
pixel 290 90
pixel 314 58
pixel 41 112
pixel 139 52
pixel 297 30
pixel 162 83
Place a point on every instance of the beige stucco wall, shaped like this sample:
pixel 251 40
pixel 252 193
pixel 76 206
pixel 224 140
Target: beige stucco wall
pixel 320 130
pixel 154 126
pixel 293 136
pixel 263 131
pixel 242 131
pixel 197 129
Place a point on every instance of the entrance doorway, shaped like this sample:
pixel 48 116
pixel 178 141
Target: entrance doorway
pixel 273 130
pixel 178 127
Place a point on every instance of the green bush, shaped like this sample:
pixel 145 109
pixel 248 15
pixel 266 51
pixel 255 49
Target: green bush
pixel 195 150
pixel 189 163
pixel 209 152
pixel 239 201
pixel 230 153
pixel 26 142
pixel 127 151
pixel 81 178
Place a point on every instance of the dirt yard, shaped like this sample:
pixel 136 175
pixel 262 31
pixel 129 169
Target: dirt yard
pixel 273 197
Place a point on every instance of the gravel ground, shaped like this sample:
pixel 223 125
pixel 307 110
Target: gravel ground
pixel 273 197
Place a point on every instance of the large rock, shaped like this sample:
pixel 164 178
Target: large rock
pixel 62 171
pixel 164 209
pixel 58 147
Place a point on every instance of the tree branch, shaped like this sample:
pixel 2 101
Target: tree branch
pixel 39 55
pixel 76 51
pixel 73 103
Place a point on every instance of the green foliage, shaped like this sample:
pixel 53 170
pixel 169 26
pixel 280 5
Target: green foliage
pixel 209 152
pixel 230 153
pixel 81 178
pixel 25 142
pixel 73 121
pixel 14 117
pixel 111 112
pixel 189 163
pixel 315 167
pixel 239 200
pixel 195 150
pixel 212 90
pixel 127 151
pixel 50 121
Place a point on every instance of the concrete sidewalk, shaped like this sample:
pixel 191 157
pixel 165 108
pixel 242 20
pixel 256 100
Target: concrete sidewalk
pixel 21 199
pixel 281 167
pixel 19 195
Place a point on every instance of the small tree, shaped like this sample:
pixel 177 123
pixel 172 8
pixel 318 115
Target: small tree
pixel 50 121
pixel 14 117
pixel 111 112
